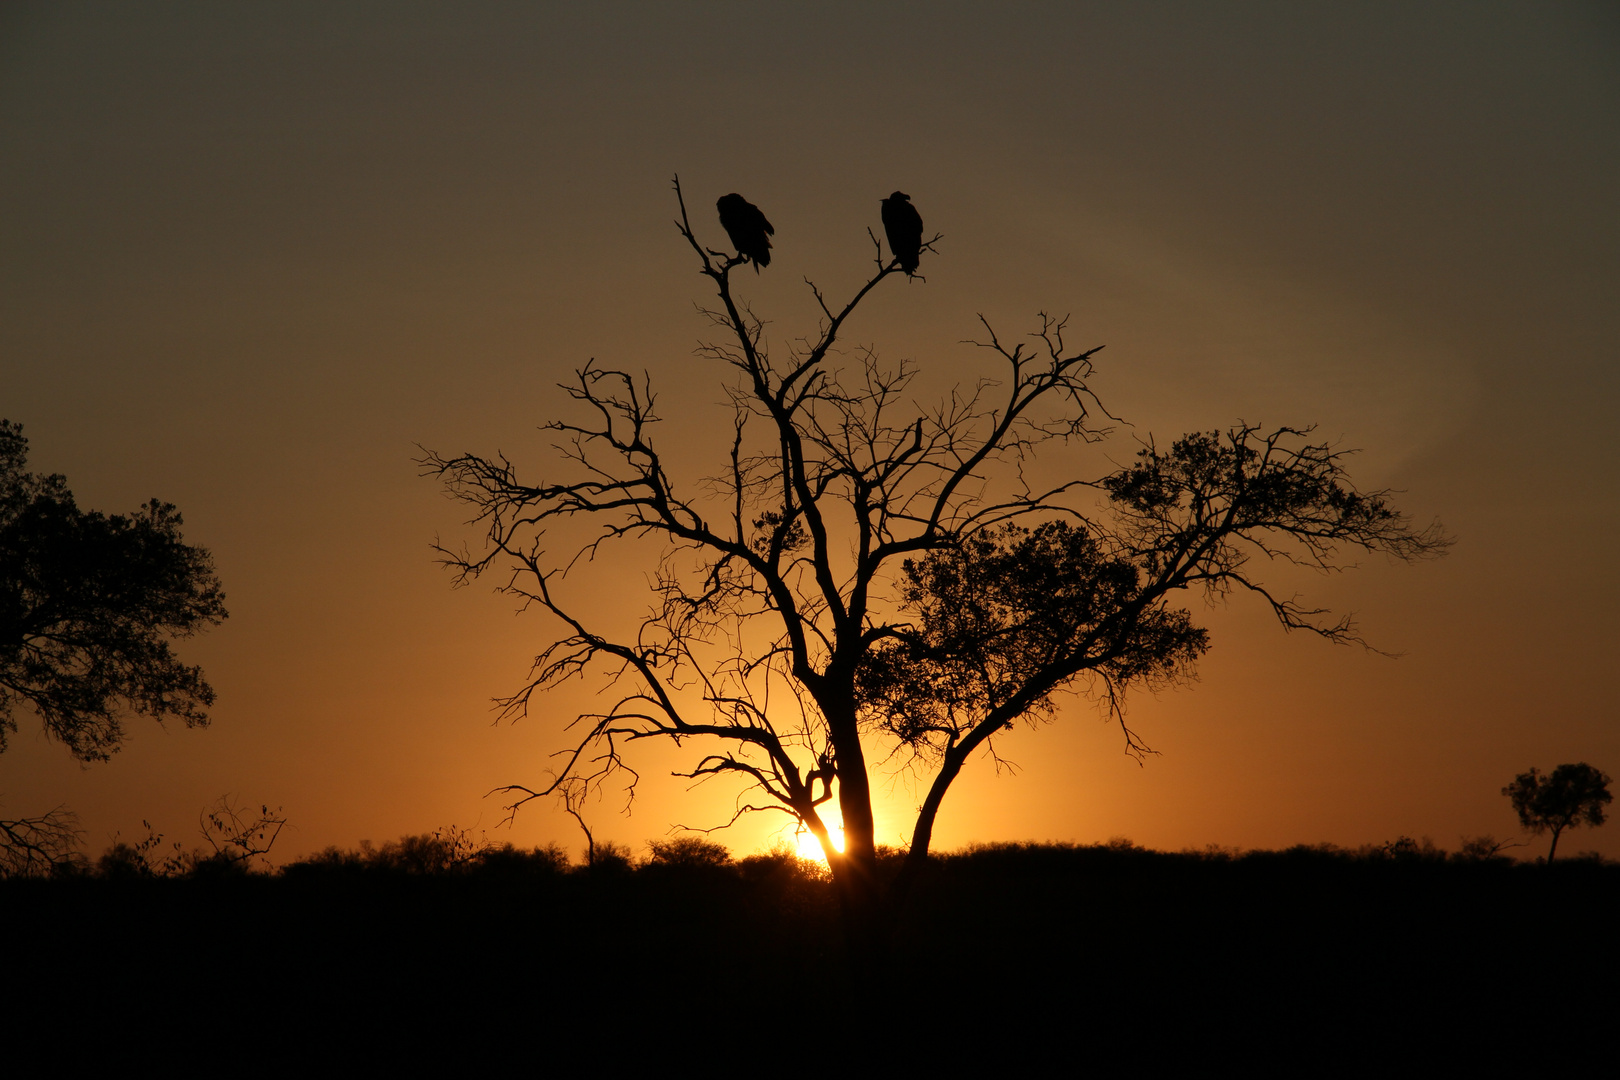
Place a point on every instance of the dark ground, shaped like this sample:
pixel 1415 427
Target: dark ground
pixel 1088 955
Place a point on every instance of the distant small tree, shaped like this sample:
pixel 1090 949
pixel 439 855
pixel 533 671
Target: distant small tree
pixel 1572 795
pixel 237 834
pixel 87 603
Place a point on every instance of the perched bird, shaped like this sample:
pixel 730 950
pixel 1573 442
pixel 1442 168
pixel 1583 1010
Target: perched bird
pixel 747 227
pixel 903 225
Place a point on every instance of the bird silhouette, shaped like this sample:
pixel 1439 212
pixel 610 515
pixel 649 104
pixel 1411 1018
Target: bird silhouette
pixel 747 227
pixel 903 225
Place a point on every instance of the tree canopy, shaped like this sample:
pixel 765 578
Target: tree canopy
pixel 1570 796
pixel 868 583
pixel 88 603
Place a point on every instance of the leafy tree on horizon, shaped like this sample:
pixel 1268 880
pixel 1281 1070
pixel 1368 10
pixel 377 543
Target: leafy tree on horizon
pixel 1568 797
pixel 868 583
pixel 88 602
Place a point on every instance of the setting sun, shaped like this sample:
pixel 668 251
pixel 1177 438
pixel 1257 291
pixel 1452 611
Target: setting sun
pixel 808 847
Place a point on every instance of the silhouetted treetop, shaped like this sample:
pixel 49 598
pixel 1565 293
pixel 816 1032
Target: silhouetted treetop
pixel 1200 512
pixel 1571 796
pixel 1002 618
pixel 87 602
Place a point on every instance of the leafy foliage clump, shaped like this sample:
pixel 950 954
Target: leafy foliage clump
pixel 88 602
pixel 1003 619
pixel 1568 797
pixel 688 852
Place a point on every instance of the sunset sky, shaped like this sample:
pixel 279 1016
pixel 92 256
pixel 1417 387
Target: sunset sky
pixel 252 256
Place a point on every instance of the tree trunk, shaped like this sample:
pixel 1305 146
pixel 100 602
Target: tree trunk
pixel 923 834
pixel 1554 849
pixel 855 872
pixel 859 909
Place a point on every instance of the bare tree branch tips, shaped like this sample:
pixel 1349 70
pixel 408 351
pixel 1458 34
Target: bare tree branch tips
pixel 33 846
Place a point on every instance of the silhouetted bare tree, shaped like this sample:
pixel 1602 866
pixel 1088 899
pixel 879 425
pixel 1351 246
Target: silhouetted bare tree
pixel 38 845
pixel 870 582
pixel 1571 796
pixel 239 834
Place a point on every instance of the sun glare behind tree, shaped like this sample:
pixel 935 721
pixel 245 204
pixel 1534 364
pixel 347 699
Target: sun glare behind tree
pixel 808 847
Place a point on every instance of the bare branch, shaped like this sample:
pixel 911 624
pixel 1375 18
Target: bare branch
pixel 37 845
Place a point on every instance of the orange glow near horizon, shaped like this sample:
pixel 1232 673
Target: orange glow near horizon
pixel 808 847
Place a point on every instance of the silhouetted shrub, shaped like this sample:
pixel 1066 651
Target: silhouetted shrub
pixel 1590 858
pixel 783 865
pixel 1405 849
pixel 688 852
pixel 329 859
pixel 218 865
pixel 508 861
pixel 1486 848
pixel 609 857
pixel 123 860
pixel 443 851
